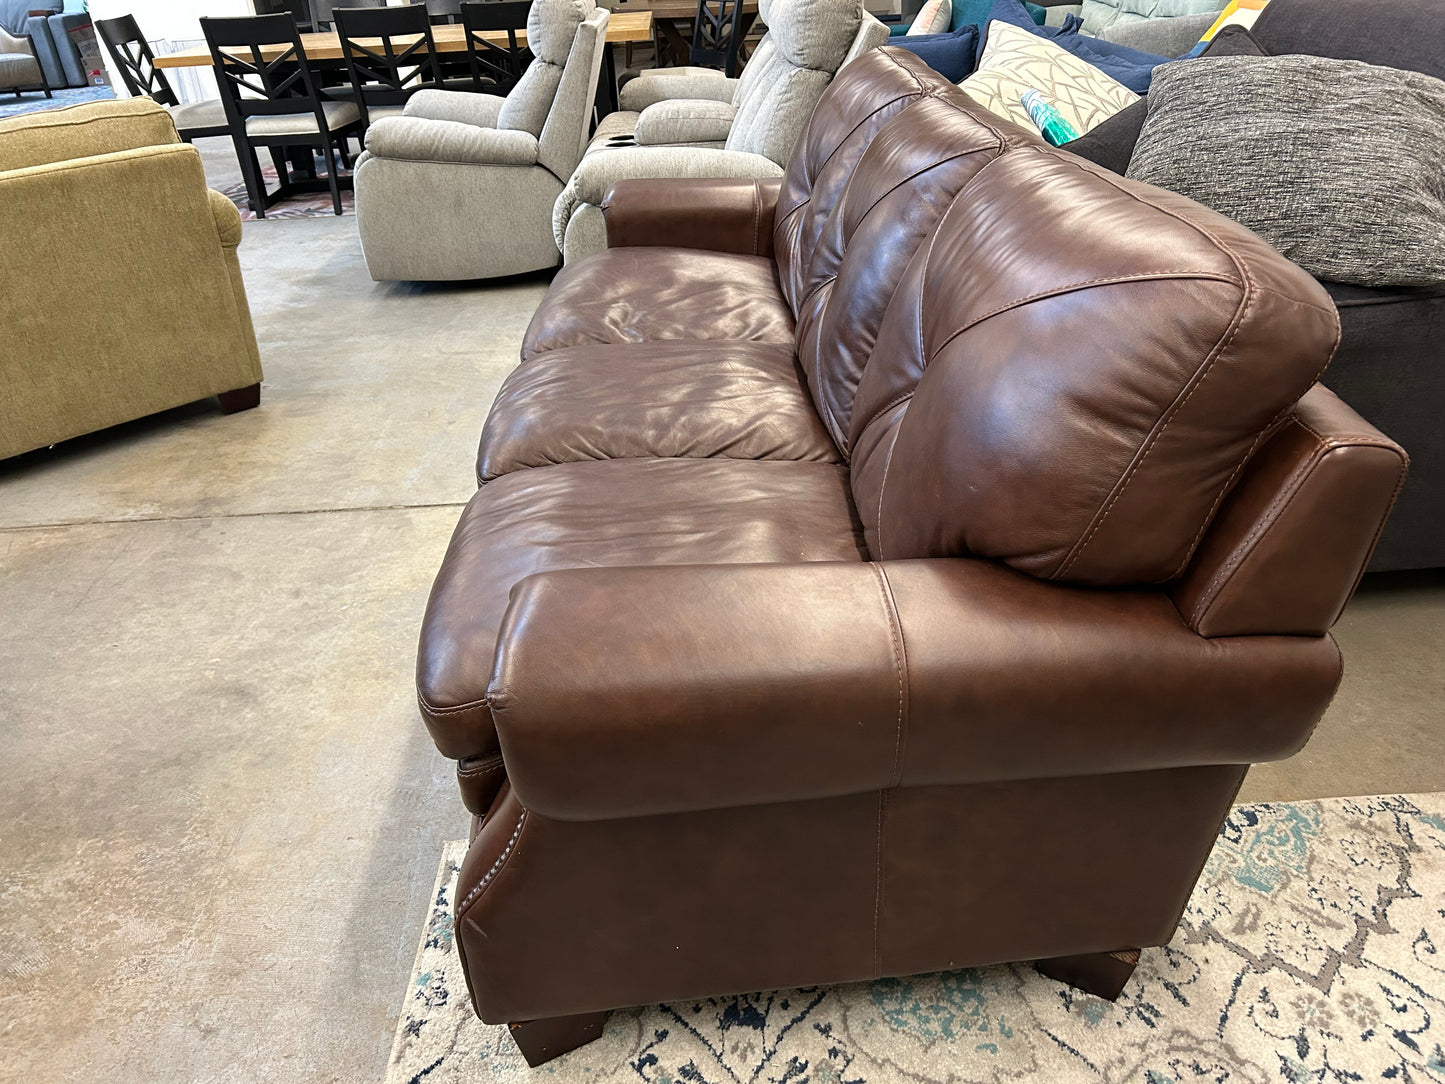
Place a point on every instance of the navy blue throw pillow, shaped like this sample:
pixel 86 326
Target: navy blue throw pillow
pixel 951 55
pixel 1132 67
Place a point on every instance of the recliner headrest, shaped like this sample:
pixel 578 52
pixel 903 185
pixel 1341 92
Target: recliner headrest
pixel 552 25
pixel 812 33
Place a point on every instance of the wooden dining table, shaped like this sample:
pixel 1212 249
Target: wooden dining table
pixel 629 25
pixel 323 49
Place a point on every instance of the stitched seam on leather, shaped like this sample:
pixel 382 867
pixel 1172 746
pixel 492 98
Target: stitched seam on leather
pixel 1258 440
pixel 913 177
pixel 496 867
pixel 900 667
pixel 1074 287
pixel 476 773
pixel 1143 454
pixel 1277 507
pixel 757 219
pixel 878 887
pixel 882 486
pixel 458 709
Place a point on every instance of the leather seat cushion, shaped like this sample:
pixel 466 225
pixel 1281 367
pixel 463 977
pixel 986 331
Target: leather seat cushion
pixel 623 295
pixel 607 513
pixel 670 398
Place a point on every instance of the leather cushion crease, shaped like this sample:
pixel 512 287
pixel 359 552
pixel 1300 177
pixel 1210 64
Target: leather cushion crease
pixel 950 523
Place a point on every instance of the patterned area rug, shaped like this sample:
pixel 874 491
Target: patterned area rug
pixel 1313 949
pixel 35 102
pixel 304 205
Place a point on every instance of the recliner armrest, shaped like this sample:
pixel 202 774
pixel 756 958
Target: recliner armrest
pixel 462 107
pixel 717 214
pixel 684 121
pixel 663 84
pixel 637 691
pixel 419 139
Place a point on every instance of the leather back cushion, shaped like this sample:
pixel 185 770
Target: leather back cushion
pixel 1072 372
pixel 903 183
pixel 867 93
pixel 1408 34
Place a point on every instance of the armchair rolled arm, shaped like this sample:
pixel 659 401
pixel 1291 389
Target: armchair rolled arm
pixel 464 108
pixel 687 120
pixel 721 215
pixel 418 139
pixel 637 691
pixel 662 84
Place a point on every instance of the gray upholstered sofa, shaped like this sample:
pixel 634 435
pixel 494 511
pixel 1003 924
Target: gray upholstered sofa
pixel 692 122
pixel 462 185
pixel 50 36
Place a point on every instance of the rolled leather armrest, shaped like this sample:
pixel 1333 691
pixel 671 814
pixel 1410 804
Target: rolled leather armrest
pixel 721 215
pixel 600 170
pixel 419 139
pixel 636 691
pixel 685 121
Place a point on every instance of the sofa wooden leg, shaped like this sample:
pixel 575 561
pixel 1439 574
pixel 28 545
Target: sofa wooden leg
pixel 1100 973
pixel 542 1040
pixel 240 399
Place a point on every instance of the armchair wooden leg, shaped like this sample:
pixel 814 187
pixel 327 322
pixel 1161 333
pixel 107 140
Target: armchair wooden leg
pixel 1100 973
pixel 240 399
pixel 542 1040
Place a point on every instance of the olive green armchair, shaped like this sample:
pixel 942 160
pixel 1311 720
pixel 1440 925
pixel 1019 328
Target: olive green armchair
pixel 120 293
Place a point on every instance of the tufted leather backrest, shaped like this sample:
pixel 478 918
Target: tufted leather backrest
pixel 1072 372
pixel 903 183
pixel 865 96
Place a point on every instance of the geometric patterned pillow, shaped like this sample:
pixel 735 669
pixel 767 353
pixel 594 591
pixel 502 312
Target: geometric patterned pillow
pixel 1015 61
pixel 932 18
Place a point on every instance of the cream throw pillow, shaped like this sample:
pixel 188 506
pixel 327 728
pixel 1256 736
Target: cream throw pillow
pixel 1015 61
pixel 932 18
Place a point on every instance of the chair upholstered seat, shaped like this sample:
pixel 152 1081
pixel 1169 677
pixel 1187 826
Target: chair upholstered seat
pixel 19 70
pixel 338 115
pixel 207 114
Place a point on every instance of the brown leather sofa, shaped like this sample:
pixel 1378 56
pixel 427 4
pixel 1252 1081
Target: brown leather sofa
pixel 891 569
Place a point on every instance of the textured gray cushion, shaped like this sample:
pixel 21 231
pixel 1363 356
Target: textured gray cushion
pixel 338 115
pixel 1334 162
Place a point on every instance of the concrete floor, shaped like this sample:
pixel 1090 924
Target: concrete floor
pixel 219 814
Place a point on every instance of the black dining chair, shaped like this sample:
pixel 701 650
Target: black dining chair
pixel 716 35
pixel 390 55
pixel 300 10
pixel 496 68
pixel 444 11
pixel 321 10
pixel 272 100
pixel 132 56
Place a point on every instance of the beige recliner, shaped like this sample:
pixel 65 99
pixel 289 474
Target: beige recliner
pixel 462 185
pixel 692 122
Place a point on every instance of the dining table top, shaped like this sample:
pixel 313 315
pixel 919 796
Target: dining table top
pixel 630 24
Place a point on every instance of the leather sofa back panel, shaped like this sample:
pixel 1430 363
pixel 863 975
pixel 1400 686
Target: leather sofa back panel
pixel 865 96
pixel 902 185
pixel 1079 389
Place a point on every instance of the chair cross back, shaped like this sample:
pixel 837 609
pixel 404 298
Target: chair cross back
pixel 254 84
pixel 715 37
pixel 500 65
pixel 390 53
pixel 134 60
